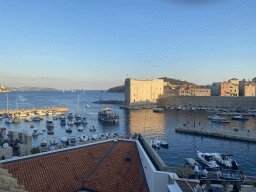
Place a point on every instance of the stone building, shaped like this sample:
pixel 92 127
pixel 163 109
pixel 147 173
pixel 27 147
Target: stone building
pixel 228 89
pixel 215 89
pixel 142 93
pixel 194 90
pixel 247 89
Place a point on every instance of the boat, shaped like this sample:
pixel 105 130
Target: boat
pixel 87 106
pixel 84 137
pixel 92 128
pixel 69 130
pixel 70 122
pixel 1 116
pixel 207 159
pixel 95 136
pixel 23 114
pixel 70 116
pixel 8 120
pixel 62 116
pixel 78 122
pixel 43 143
pixel 179 107
pixel 239 117
pixel 49 112
pixel 28 119
pixel 77 115
pixel 115 134
pixel 225 160
pixel 35 118
pixel 54 141
pixel 50 132
pixel 220 121
pixel 107 135
pixel 216 117
pixel 62 122
pixel 84 121
pixel 72 139
pixel 55 117
pixel 49 123
pixel 16 120
pixel 63 139
pixel 107 116
pixel 80 128
pixel 158 110
pixel 35 133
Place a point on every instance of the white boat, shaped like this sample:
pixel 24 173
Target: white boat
pixel 216 117
pixel 220 120
pixel 179 107
pixel 95 136
pixel 54 141
pixel 184 108
pixel 107 116
pixel 225 160
pixel 80 128
pixel 62 116
pixel 43 143
pixel 63 139
pixel 84 137
pixel 115 134
pixel 23 114
pixel 78 116
pixel 92 128
pixel 158 110
pixel 28 119
pixel 69 130
pixel 239 117
pixel 55 117
pixel 49 123
pixel 102 136
pixel 207 159
pixel 107 135
pixel 62 122
pixel 84 121
pixel 1 116
pixel 87 106
pixel 35 132
pixel 70 122
pixel 8 120
pixel 78 122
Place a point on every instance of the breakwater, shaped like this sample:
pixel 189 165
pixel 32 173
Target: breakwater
pixel 212 101
pixel 57 109
pixel 109 102
pixel 221 133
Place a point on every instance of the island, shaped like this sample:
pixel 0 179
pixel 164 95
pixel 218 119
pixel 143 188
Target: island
pixel 27 88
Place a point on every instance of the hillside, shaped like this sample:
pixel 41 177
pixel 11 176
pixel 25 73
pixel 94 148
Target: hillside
pixel 170 80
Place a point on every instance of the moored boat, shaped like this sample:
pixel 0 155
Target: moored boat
pixel 80 128
pixel 43 143
pixel 95 136
pixel 54 141
pixel 207 159
pixel 69 130
pixel 92 128
pixel 239 117
pixel 62 122
pixel 158 110
pixel 107 116
pixel 84 137
pixel 226 160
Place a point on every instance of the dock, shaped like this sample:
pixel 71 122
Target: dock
pixel 109 102
pixel 235 114
pixel 57 109
pixel 191 162
pixel 221 133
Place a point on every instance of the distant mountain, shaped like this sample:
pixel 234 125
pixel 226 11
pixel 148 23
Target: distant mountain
pixel 170 80
pixel 27 88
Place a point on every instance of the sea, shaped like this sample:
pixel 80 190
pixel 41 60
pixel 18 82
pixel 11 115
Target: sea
pixel 145 121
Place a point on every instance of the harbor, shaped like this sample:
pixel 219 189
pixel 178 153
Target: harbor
pixel 54 109
pixel 246 136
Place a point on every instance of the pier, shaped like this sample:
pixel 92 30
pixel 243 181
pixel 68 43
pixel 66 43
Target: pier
pixel 57 109
pixel 109 102
pixel 221 133
pixel 235 114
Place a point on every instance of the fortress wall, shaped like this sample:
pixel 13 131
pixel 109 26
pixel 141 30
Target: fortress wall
pixel 210 102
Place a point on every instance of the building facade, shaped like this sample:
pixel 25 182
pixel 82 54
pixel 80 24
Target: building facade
pixel 247 89
pixel 142 93
pixel 193 90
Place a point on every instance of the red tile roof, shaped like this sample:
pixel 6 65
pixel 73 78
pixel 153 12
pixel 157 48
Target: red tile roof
pixel 66 171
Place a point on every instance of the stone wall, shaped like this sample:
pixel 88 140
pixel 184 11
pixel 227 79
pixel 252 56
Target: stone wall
pixel 213 101
pixel 5 153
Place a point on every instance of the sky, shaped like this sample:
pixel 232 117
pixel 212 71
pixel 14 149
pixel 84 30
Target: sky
pixel 96 44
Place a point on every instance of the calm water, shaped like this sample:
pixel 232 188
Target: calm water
pixel 152 125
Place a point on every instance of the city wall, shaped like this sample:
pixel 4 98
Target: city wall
pixel 210 102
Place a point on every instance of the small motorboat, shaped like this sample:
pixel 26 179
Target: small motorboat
pixel 239 117
pixel 225 160
pixel 50 132
pixel 28 119
pixel 55 117
pixel 92 128
pixel 158 110
pixel 107 135
pixel 84 137
pixel 63 139
pixel 31 126
pixel 62 122
pixel 95 136
pixel 207 159
pixel 78 122
pixel 43 143
pixel 102 136
pixel 72 139
pixel 84 121
pixel 115 134
pixel 80 128
pixel 54 141
pixel 49 123
pixel 220 120
pixel 62 116
pixel 69 130
pixel 35 132
pixel 216 117
pixel 70 122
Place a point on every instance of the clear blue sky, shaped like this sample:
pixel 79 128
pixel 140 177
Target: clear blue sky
pixel 96 44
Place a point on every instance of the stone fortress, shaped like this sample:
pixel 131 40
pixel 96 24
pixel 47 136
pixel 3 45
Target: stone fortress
pixel 150 93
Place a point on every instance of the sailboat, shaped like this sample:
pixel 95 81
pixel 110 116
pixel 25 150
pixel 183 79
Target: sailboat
pixel 84 121
pixel 77 115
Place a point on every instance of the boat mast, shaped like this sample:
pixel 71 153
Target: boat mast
pixel 84 110
pixel 77 104
pixel 7 102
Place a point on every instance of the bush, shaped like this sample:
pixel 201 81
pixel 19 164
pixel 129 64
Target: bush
pixel 184 171
pixel 225 185
pixel 254 184
pixel 239 185
pixel 35 150
pixel 208 183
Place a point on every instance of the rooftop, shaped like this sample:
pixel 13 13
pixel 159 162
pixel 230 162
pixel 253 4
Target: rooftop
pixel 108 166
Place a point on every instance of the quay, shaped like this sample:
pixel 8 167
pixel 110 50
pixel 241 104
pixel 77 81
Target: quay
pixel 57 109
pixel 234 114
pixel 109 102
pixel 222 133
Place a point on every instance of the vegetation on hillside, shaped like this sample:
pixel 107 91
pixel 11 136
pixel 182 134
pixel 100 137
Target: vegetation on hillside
pixel 117 89
pixel 175 81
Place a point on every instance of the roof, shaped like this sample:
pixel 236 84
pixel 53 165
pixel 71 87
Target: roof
pixel 102 165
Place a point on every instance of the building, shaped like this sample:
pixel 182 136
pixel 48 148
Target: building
pixel 247 89
pixel 142 93
pixel 194 90
pixel 215 89
pixel 228 89
pixel 112 165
